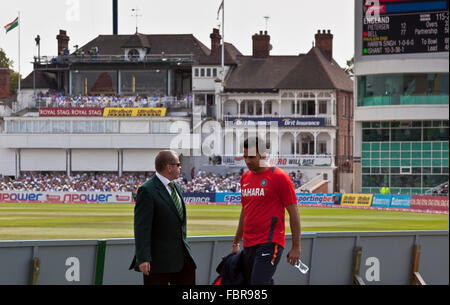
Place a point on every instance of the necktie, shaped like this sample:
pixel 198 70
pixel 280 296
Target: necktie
pixel 176 200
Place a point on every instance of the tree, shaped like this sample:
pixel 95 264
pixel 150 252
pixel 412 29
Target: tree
pixel 13 81
pixel 350 67
pixel 5 62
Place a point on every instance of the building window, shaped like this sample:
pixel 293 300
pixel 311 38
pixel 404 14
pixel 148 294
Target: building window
pixel 403 89
pixel 214 72
pixel 200 100
pixel 322 148
pixel 323 107
pixel 208 72
pixel 202 72
pixel 196 72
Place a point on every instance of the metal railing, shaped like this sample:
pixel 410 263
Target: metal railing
pixel 89 58
pixel 284 160
pixel 166 102
pixel 328 118
pixel 438 190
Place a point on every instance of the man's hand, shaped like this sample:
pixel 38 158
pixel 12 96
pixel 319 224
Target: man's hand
pixel 235 248
pixel 145 268
pixel 293 256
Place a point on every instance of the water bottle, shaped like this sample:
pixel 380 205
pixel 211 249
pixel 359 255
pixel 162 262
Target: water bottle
pixel 301 266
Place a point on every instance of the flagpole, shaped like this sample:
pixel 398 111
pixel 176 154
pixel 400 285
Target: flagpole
pixel 18 91
pixel 223 42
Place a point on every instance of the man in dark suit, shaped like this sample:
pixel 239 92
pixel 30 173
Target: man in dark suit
pixel 163 254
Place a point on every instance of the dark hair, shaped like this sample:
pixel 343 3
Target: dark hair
pixel 255 142
pixel 164 158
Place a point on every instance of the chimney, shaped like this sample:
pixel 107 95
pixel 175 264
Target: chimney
pixel 261 45
pixel 324 41
pixel 4 83
pixel 63 41
pixel 215 39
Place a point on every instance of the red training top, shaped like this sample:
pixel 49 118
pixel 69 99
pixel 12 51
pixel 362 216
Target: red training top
pixel 264 197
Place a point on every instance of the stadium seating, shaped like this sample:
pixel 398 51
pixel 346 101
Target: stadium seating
pixel 128 182
pixel 54 99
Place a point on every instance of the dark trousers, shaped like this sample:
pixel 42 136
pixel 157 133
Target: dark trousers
pixel 260 263
pixel 185 277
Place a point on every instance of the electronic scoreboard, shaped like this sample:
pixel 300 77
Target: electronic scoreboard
pixel 404 26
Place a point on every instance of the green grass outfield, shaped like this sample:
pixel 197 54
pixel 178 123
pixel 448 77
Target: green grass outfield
pixel 36 221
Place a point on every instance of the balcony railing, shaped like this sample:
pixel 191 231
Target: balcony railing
pixel 67 102
pixel 284 160
pixel 87 58
pixel 328 119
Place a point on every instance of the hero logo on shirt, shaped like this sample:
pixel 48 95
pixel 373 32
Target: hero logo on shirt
pixel 252 192
pixel 263 182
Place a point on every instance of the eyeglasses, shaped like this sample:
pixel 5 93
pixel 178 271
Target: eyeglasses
pixel 177 164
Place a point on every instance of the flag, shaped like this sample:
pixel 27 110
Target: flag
pixel 220 8
pixel 12 25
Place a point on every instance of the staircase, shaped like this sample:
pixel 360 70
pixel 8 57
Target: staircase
pixel 314 184
pixel 438 190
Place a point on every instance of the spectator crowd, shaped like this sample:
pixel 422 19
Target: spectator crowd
pixel 56 99
pixel 111 182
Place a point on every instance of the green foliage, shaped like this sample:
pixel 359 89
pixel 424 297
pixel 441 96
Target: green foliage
pixel 5 62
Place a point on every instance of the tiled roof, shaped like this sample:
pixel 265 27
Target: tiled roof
pixel 316 71
pixel 254 74
pixel 169 44
pixel 43 80
pixel 309 71
pixel 231 54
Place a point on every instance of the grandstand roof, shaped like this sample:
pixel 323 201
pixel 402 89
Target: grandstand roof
pixel 169 44
pixel 305 71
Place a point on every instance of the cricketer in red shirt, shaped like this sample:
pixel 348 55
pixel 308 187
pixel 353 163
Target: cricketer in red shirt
pixel 264 197
pixel 265 194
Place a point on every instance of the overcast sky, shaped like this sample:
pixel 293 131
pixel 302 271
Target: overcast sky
pixel 292 23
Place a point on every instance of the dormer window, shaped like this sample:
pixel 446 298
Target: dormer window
pixel 133 55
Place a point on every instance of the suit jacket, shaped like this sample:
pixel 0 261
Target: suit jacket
pixel 159 232
pixel 231 270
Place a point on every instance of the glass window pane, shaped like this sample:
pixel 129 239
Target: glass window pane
pixel 406 146
pixel 376 135
pixel 437 146
pixel 395 162
pixel 416 162
pixel 395 154
pixel 395 146
pixel 426 146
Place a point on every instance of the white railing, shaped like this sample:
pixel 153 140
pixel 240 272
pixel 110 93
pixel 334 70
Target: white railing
pixel 86 102
pixel 170 58
pixel 328 119
pixel 284 160
pixel 437 190
pixel 307 187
